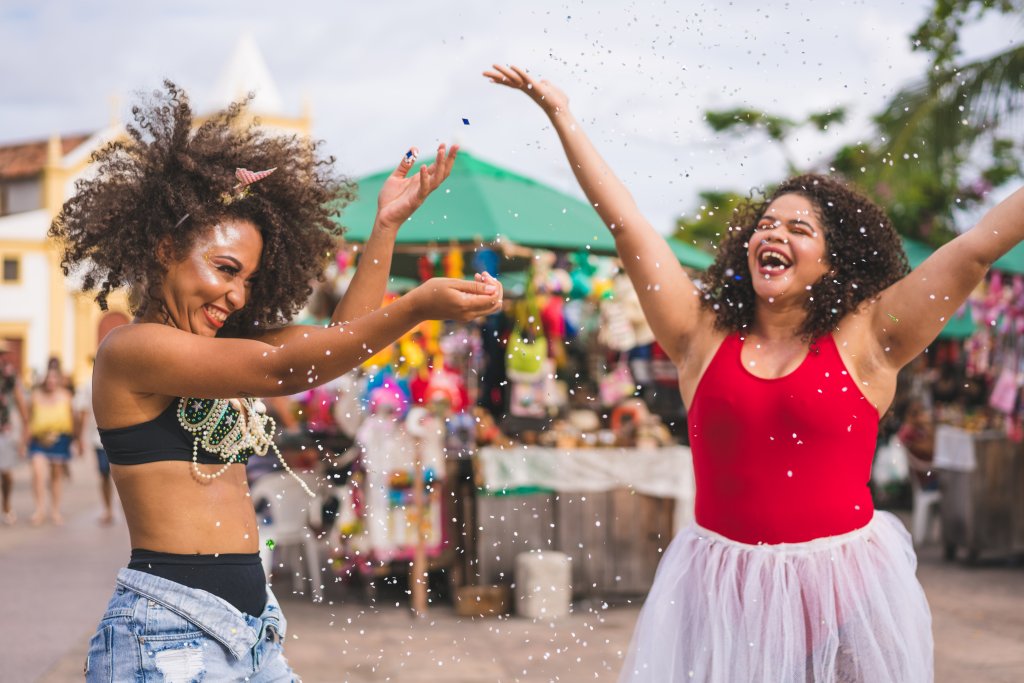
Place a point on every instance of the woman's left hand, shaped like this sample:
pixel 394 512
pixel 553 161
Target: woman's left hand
pixel 401 195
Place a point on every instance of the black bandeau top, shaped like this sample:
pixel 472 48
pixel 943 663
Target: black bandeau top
pixel 156 440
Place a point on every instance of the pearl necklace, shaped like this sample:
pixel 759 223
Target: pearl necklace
pixel 231 429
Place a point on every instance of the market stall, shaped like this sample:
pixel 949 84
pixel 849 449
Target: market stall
pixel 613 511
pixel 981 475
pixel 456 425
pixel 968 446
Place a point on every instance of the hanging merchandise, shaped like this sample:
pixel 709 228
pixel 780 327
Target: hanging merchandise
pixel 552 317
pixel 454 264
pixel 615 332
pixel 389 398
pixel 581 272
pixel 429 265
pixel 617 384
pixel 528 399
pixel 486 260
pixel 527 348
pixel 1004 393
pixel 411 356
pixel 626 294
pixel 663 370
pixel 348 410
pixel 445 387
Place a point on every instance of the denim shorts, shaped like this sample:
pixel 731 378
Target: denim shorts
pixel 159 630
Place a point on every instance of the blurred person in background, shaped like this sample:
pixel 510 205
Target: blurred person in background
pixel 13 419
pixel 917 434
pixel 51 433
pixel 91 445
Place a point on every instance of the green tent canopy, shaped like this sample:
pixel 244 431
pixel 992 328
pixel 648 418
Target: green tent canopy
pixel 916 251
pixel 689 255
pixel 1012 262
pixel 959 326
pixel 481 202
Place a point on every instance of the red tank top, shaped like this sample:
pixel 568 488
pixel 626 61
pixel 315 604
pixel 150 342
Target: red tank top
pixel 781 460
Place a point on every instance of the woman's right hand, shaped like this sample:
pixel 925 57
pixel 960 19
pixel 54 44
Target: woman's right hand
pixel 443 298
pixel 546 95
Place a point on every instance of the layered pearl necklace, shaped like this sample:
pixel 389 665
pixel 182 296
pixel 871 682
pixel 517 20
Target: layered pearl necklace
pixel 232 429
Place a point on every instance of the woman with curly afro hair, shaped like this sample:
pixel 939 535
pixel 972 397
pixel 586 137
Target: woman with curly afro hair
pixel 787 356
pixel 218 231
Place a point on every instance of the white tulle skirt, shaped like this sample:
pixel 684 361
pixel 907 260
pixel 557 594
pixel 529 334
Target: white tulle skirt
pixel 832 610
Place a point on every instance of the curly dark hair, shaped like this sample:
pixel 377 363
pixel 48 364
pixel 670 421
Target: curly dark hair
pixel 865 256
pixel 162 187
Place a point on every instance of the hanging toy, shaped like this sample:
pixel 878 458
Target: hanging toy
pixel 424 268
pixel 454 264
pixel 486 260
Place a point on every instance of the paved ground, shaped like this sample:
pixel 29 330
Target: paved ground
pixel 57 580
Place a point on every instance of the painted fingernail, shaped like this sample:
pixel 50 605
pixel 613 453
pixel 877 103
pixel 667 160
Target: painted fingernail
pixel 490 289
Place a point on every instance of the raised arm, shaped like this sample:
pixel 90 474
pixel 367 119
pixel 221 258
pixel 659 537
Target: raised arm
pixel 909 315
pixel 156 359
pixel 669 299
pixel 398 198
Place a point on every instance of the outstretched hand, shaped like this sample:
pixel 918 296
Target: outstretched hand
pixel 452 299
pixel 401 195
pixel 551 99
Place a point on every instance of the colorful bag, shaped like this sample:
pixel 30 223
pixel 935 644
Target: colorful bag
pixel 525 358
pixel 527 347
pixel 616 385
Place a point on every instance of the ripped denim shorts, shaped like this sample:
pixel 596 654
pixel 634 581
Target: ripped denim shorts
pixel 159 630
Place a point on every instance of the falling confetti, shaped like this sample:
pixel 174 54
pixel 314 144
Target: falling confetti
pixel 270 544
pixel 894 318
pixel 465 122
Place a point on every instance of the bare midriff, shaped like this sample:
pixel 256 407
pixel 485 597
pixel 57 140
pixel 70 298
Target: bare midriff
pixel 169 509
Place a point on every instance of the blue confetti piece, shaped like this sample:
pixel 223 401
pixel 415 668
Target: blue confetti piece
pixel 465 122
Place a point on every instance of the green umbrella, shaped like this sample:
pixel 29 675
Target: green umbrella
pixel 481 202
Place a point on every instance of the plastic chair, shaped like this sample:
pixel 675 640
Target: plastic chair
pixel 284 514
pixel 926 503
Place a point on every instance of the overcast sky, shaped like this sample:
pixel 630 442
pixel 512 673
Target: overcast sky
pixel 382 76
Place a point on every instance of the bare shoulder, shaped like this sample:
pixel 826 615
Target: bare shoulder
pixel 114 402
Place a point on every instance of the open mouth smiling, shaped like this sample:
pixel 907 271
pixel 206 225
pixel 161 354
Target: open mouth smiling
pixel 773 261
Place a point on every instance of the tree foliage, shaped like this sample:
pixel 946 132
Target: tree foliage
pixel 945 141
pixel 940 144
pixel 710 222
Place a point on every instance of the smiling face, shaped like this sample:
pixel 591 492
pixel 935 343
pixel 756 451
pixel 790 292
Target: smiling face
pixel 787 251
pixel 201 290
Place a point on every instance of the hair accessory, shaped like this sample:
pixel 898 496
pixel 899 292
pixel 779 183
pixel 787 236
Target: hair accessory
pixel 245 179
pixel 239 191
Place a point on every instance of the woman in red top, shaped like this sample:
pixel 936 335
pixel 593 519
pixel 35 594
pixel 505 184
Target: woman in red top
pixel 787 355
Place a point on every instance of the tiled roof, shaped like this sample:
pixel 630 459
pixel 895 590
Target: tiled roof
pixel 26 159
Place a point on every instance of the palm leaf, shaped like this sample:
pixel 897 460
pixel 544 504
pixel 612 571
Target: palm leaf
pixel 940 119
